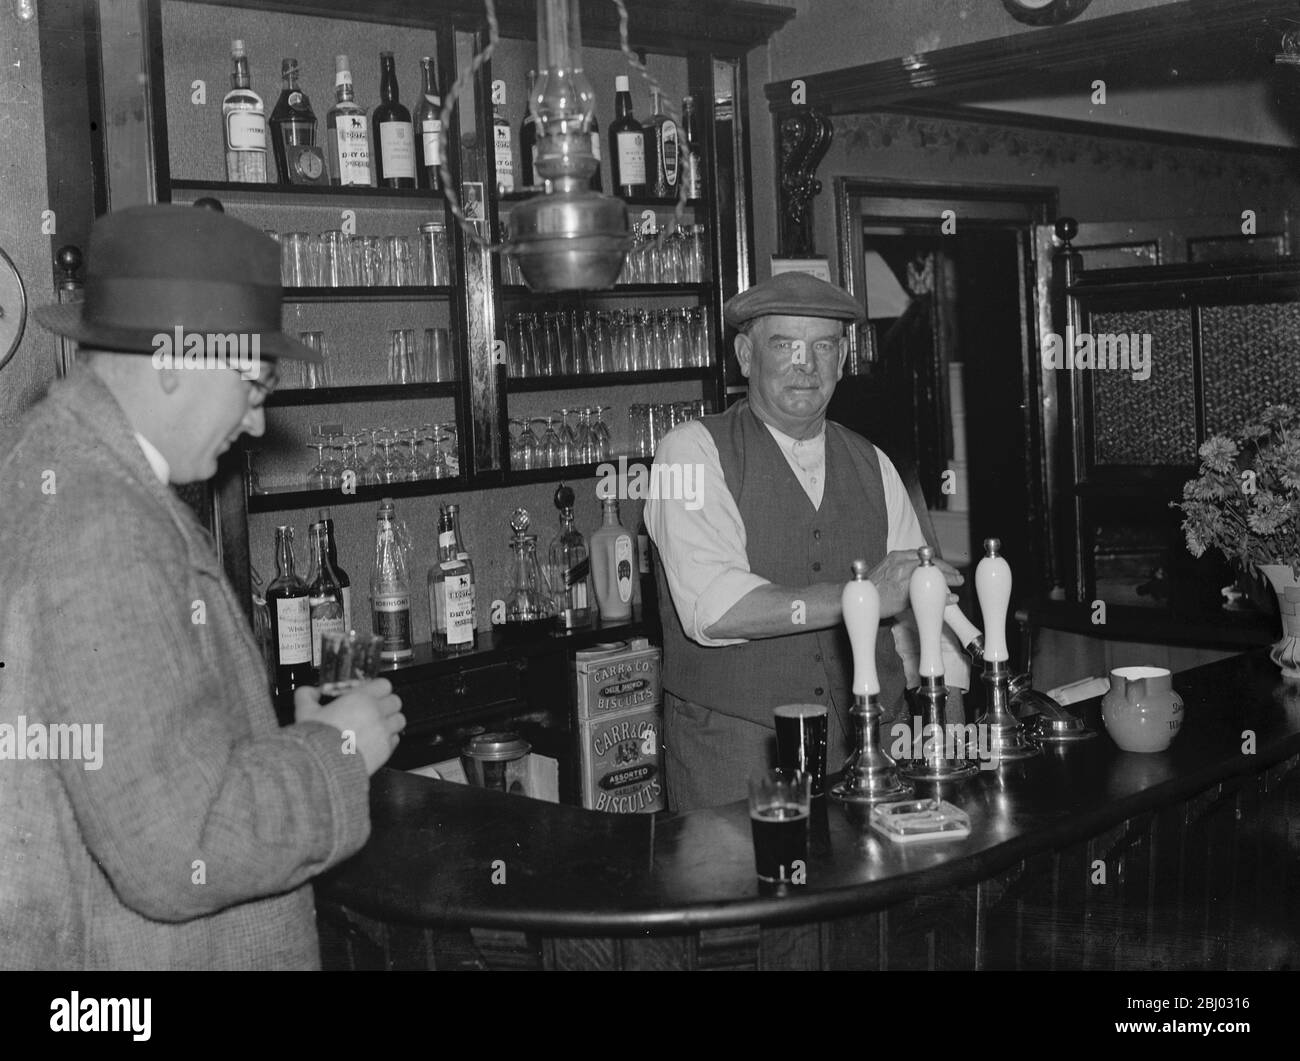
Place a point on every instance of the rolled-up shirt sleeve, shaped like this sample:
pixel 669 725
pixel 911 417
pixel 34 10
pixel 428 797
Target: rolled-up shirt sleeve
pixel 905 533
pixel 700 537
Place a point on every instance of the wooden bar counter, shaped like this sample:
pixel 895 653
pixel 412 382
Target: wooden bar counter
pixel 1085 857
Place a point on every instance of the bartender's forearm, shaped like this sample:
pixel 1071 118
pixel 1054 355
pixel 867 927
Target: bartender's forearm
pixel 774 611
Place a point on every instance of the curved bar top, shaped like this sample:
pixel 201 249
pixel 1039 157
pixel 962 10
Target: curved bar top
pixel 436 846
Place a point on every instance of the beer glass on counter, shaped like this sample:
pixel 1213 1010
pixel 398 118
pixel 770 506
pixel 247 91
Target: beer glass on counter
pixel 779 807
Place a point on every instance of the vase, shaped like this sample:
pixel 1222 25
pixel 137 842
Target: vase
pixel 1286 652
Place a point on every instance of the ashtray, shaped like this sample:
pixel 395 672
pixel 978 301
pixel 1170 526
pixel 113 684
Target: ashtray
pixel 912 820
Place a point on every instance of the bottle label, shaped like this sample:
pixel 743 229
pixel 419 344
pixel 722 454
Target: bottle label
pixel 578 592
pixel 293 626
pixel 595 146
pixel 245 131
pixel 324 623
pixel 458 602
pixel 667 152
pixel 343 77
pixel 623 567
pixel 631 158
pixel 505 157
pixel 352 142
pixel 446 540
pixel 393 624
pixel 431 131
pixel 347 609
pixel 397 149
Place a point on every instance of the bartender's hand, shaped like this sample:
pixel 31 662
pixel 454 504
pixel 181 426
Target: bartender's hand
pixel 372 712
pixel 893 575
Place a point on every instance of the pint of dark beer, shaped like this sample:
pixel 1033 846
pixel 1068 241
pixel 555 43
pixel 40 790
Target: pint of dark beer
pixel 778 815
pixel 801 734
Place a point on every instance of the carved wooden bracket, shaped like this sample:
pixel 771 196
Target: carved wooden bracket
pixel 805 137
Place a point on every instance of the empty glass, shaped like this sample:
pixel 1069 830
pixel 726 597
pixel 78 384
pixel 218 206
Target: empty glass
pixel 550 452
pixel 435 356
pixel 298 254
pixel 435 258
pixel 401 355
pixel 316 375
pixel 370 265
pixel 335 260
pixel 399 262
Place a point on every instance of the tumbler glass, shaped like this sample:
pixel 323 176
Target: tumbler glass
pixel 435 356
pixel 335 260
pixel 315 376
pixel 347 660
pixel 373 270
pixel 398 261
pixel 779 806
pixel 298 254
pixel 401 355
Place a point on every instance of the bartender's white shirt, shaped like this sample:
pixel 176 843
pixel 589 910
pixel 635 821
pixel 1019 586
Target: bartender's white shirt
pixel 156 460
pixel 703 549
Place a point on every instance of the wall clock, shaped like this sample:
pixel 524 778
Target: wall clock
pixel 13 309
pixel 1045 12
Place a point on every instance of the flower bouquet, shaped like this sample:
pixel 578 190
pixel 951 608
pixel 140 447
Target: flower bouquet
pixel 1245 503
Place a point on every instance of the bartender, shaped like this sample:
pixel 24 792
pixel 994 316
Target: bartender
pixel 751 569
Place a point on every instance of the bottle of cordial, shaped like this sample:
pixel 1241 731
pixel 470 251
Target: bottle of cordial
pixel 613 566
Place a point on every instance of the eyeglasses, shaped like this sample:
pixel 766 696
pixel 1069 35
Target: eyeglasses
pixel 262 387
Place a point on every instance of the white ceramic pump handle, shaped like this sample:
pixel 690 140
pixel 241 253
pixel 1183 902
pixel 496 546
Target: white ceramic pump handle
pixel 993 587
pixel 963 628
pixel 928 592
pixel 861 603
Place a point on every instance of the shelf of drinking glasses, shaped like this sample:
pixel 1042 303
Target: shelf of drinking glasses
pixel 523 477
pixel 388 392
pixel 237 191
pixel 519 293
pixel 282 500
pixel 521 384
pixel 406 293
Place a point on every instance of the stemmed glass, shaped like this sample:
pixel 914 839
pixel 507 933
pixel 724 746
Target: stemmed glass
pixel 334 459
pixel 568 447
pixel 520 346
pixel 372 471
pixel 640 431
pixel 550 449
pixel 392 471
pixel 598 341
pixel 600 433
pixel 318 477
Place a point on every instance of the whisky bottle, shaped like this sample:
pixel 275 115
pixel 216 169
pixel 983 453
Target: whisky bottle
pixel 569 566
pixel 502 148
pixel 293 123
pixel 627 153
pixel 288 602
pixel 394 140
pixel 428 126
pixel 347 133
pixel 243 124
pixel 324 594
pixel 528 136
pixel 691 158
pixel 451 594
pixel 345 583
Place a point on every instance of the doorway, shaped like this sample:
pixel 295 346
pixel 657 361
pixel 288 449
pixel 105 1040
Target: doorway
pixel 947 378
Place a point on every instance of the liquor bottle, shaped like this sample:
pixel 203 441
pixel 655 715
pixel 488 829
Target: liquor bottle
pixel 289 605
pixel 612 559
pixel 345 583
pixel 595 184
pixel 324 594
pixel 347 133
pixel 451 594
pixel 243 124
pixel 569 566
pixel 428 126
pixel 462 554
pixel 528 136
pixel 649 590
pixel 293 122
pixel 664 137
pixel 627 154
pixel 394 141
pixel 502 148
pixel 691 161
pixel 390 589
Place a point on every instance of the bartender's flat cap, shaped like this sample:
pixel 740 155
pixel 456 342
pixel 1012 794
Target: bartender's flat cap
pixel 792 295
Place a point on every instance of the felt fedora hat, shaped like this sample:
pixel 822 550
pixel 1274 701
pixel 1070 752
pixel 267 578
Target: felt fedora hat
pixel 154 269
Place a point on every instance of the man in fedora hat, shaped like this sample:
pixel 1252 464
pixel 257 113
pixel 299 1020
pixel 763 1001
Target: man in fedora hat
pixel 154 814
pixel 750 575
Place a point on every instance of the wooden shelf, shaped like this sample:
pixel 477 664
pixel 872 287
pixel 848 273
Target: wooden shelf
pixel 390 392
pixel 309 194
pixel 281 501
pixel 534 384
pixel 411 293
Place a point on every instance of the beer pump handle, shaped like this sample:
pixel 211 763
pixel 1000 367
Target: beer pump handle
pixel 993 587
pixel 861 602
pixel 968 635
pixel 928 592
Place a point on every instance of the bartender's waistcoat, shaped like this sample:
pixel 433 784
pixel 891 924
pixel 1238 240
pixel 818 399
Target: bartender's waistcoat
pixel 790 543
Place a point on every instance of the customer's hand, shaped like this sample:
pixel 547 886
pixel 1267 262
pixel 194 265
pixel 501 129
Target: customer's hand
pixel 893 576
pixel 371 712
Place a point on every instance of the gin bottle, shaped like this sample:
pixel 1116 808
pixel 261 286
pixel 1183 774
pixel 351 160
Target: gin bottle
pixel 243 124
